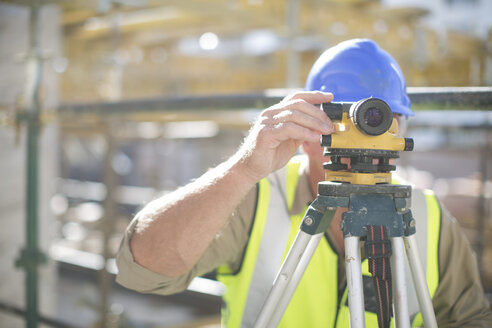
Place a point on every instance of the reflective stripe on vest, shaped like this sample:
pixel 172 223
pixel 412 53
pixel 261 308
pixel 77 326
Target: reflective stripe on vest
pixel 433 236
pixel 243 306
pixel 247 290
pixel 314 303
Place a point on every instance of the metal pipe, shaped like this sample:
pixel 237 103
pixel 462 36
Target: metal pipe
pixel 31 257
pixel 107 225
pixel 110 178
pixel 400 299
pixel 35 66
pixel 419 281
pixel 282 281
pixel 483 205
pixel 296 277
pixel 472 97
pixel 354 282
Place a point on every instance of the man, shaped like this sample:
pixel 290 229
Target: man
pixel 242 216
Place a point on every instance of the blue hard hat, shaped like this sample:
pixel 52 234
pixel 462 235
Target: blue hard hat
pixel 357 69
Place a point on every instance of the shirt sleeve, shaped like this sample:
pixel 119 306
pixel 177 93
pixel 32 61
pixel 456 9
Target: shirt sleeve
pixel 227 247
pixel 459 300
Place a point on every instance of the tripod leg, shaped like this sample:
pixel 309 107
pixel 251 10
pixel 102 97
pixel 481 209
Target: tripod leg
pixel 287 279
pixel 400 299
pixel 419 282
pixel 296 278
pixel 354 282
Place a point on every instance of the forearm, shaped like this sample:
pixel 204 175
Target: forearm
pixel 173 231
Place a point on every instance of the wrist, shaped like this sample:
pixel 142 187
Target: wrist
pixel 243 173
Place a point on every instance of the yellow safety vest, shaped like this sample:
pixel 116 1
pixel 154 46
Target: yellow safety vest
pixel 315 302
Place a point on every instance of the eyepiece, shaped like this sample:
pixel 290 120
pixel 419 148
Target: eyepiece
pixel 372 116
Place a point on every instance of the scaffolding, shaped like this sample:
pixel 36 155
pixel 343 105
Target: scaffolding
pixel 220 108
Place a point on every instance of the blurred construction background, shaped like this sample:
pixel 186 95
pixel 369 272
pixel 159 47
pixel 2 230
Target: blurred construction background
pixel 105 104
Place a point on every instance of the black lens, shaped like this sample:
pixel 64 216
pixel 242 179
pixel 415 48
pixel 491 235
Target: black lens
pixel 373 117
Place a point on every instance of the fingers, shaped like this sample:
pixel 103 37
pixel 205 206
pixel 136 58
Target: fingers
pixel 281 129
pixel 289 130
pixel 317 121
pixel 301 110
pixel 312 97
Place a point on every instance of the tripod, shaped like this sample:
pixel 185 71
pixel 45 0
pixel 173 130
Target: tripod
pixel 369 205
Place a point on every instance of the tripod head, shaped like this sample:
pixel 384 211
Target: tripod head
pixel 365 140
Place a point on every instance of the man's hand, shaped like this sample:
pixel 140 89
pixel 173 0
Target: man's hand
pixel 172 232
pixel 281 129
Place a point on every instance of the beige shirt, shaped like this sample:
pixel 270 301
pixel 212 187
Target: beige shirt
pixel 459 300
